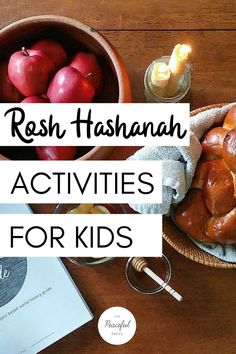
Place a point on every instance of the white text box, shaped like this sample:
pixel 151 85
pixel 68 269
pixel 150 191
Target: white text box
pixel 112 235
pixel 81 181
pixel 102 124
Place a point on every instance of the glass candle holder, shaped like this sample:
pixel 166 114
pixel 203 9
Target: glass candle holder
pixel 154 96
pixel 90 261
pixel 141 282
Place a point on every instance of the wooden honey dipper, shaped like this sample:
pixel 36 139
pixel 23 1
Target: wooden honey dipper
pixel 141 265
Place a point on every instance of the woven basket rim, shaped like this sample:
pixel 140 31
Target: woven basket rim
pixel 200 256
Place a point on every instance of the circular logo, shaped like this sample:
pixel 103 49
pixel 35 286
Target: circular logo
pixel 117 325
pixel 12 276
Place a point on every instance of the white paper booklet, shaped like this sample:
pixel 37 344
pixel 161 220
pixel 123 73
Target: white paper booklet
pixel 39 303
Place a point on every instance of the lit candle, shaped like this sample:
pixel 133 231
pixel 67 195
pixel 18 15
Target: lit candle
pixel 177 63
pixel 159 78
pixel 160 75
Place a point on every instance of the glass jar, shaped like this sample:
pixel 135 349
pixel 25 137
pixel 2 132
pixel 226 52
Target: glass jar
pixel 141 282
pixel 183 85
pixel 90 261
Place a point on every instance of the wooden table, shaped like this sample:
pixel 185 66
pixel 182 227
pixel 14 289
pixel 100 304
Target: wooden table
pixel 142 30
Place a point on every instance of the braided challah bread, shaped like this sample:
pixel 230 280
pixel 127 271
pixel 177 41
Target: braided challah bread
pixel 208 212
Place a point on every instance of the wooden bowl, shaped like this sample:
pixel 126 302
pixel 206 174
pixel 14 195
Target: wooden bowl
pixel 74 36
pixel 181 242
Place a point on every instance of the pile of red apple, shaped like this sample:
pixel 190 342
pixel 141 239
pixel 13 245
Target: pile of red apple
pixel 44 73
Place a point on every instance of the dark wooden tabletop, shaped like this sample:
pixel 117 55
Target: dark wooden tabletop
pixel 142 30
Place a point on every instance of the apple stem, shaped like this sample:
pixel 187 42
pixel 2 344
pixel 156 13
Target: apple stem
pixel 89 74
pixel 26 51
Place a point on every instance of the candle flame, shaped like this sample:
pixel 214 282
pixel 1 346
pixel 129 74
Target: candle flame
pixel 185 48
pixel 182 51
pixel 161 69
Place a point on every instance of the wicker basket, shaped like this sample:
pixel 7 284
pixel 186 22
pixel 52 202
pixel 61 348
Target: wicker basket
pixel 180 241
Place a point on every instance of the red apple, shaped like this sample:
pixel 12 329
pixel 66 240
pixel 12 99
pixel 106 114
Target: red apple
pixel 88 65
pixel 70 86
pixel 56 152
pixel 30 71
pixel 8 92
pixel 35 99
pixel 54 50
